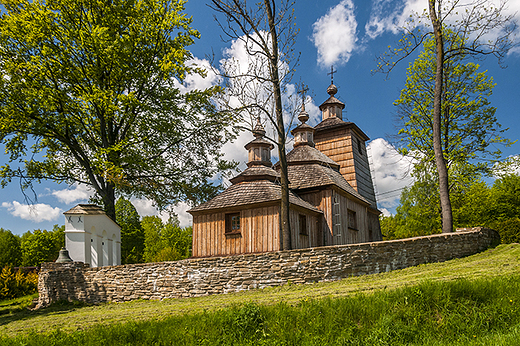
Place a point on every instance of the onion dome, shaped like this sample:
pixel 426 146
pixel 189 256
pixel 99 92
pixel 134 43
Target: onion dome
pixel 303 134
pixel 332 107
pixel 259 148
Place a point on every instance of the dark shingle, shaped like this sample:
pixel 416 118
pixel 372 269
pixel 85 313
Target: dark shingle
pixel 315 175
pixel 248 193
pixel 258 172
pixel 306 154
pixel 334 122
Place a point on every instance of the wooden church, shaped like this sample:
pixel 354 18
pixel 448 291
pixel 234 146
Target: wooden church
pixel 331 202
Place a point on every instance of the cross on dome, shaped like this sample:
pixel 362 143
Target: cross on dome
pixel 303 116
pixel 332 90
pixel 331 73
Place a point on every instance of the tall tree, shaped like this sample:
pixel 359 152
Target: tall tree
pixel 165 242
pixel 90 94
pixel 132 234
pixel 267 30
pixel 468 127
pixel 479 29
pixel 10 250
pixel 42 246
pixel 505 197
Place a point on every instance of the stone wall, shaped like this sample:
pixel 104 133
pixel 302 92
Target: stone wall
pixel 216 275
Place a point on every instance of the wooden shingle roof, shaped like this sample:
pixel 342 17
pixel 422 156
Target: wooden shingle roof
pixel 335 122
pixel 332 101
pixel 307 154
pixel 314 175
pixel 250 193
pixel 258 172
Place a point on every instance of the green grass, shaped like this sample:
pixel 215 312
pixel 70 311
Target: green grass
pixel 15 306
pixel 470 301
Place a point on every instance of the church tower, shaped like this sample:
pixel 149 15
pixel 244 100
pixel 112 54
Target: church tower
pixel 344 143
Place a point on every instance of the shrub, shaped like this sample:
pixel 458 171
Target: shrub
pixel 17 284
pixel 509 230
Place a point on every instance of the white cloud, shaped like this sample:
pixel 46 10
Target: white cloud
pixel 195 81
pixel 393 15
pixel 391 172
pixel 511 165
pixel 145 207
pixel 247 90
pixel 334 34
pixel 79 192
pixel 185 219
pixel 33 212
pixel 385 212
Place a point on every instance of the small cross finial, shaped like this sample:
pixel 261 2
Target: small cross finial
pixel 331 73
pixel 302 91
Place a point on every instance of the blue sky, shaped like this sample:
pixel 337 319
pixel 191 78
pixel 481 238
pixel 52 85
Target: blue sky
pixel 348 34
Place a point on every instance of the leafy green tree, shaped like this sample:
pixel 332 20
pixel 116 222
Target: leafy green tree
pixel 152 227
pixel 509 230
pixel 165 242
pixel 505 198
pixel 42 246
pixel 10 249
pixel 478 29
pixel 419 210
pixel 93 86
pixel 472 204
pixel 132 235
pixel 469 126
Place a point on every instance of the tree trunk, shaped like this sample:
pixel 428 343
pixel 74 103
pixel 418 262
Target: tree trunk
pixel 109 201
pixel 442 170
pixel 284 179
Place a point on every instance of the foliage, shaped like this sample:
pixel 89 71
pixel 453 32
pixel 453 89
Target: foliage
pixel 91 94
pixel 477 29
pixel 165 242
pixel 461 312
pixel 469 126
pixel 132 234
pixel 10 249
pixel 474 204
pixel 17 284
pixel 509 230
pixel 42 246
pixel 505 197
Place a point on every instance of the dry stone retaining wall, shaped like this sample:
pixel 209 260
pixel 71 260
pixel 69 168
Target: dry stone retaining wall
pixel 216 275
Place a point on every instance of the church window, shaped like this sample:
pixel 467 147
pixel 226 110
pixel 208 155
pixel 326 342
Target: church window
pixel 360 149
pixel 303 224
pixel 233 223
pixel 352 222
pixel 265 154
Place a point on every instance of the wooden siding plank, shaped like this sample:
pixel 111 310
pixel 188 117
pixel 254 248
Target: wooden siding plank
pixel 265 230
pixel 276 228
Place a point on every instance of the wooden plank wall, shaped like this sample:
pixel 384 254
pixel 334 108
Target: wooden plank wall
pixel 337 145
pixel 323 200
pixel 346 234
pixel 259 232
pixel 312 239
pixel 342 147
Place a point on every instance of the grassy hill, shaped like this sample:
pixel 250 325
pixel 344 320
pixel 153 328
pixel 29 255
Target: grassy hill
pixel 474 300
